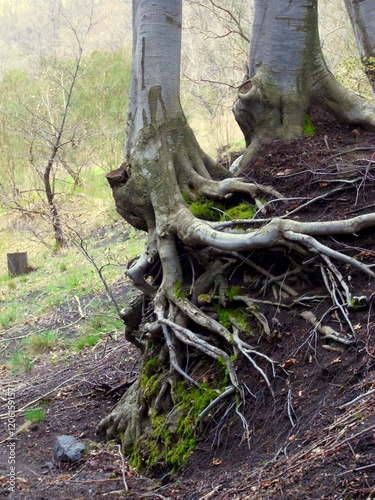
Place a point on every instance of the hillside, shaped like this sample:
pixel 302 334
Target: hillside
pixel 314 439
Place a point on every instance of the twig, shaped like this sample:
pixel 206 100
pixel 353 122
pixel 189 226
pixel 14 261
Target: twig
pixel 266 273
pixel 211 493
pixel 357 399
pixel 350 438
pixel 81 247
pixel 290 407
pixel 363 148
pixel 123 467
pixel 82 314
pixel 357 469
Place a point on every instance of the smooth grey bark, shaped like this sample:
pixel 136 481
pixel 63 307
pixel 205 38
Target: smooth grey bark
pixel 362 17
pixel 156 53
pixel 287 73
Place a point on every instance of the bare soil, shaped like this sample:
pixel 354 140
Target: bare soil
pixel 313 440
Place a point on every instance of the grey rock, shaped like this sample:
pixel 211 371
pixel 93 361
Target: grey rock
pixel 67 448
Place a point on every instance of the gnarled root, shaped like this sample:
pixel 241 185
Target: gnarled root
pixel 201 278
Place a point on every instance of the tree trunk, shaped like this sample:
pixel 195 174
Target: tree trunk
pixel 156 52
pixel 50 195
pixel 287 73
pixel 362 17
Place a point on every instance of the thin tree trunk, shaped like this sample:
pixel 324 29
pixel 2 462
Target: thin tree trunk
pixel 50 195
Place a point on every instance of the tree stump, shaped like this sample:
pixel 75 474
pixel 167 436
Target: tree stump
pixel 17 263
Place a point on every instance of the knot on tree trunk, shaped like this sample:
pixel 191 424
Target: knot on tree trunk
pixel 120 176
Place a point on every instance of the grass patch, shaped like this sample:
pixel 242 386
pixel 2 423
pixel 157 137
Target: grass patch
pixel 20 362
pixel 101 323
pixel 86 340
pixel 34 415
pixel 8 316
pixel 41 343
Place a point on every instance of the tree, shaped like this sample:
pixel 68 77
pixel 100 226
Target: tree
pixel 44 120
pixel 362 17
pixel 53 131
pixel 203 227
pixel 287 74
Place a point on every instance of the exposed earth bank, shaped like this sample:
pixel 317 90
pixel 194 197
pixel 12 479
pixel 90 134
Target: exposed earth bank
pixel 313 440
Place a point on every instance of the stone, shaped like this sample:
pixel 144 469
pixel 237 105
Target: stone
pixel 67 448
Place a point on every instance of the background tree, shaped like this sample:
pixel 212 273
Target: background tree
pixel 362 17
pixel 287 74
pixel 48 125
pixel 204 228
pixel 54 134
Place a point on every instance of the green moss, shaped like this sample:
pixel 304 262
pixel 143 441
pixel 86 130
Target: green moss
pixel 239 314
pixel 207 209
pixel 35 414
pixel 174 436
pixel 152 374
pixel 308 127
pixel 151 367
pixel 179 290
pixel 234 291
pixel 241 211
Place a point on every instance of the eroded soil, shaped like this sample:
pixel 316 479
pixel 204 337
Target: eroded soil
pixel 313 440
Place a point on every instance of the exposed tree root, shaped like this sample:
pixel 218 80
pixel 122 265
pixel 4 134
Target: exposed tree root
pixel 199 277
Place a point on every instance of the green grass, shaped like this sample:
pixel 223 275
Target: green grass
pixel 104 322
pixel 41 343
pixel 35 414
pixel 8 316
pixel 86 340
pixel 20 362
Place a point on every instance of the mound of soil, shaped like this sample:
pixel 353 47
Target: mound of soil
pixel 313 440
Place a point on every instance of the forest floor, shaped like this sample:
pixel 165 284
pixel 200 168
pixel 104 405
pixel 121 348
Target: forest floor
pixel 313 440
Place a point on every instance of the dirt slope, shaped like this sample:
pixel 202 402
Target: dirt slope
pixel 313 440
